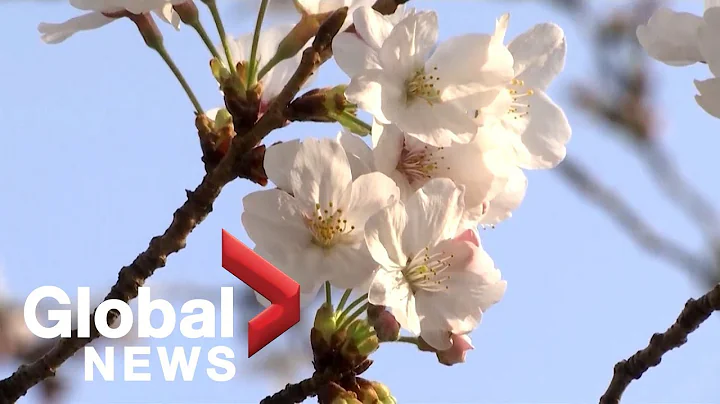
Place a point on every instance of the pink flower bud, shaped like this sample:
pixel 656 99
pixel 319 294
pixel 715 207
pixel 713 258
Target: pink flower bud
pixel 456 353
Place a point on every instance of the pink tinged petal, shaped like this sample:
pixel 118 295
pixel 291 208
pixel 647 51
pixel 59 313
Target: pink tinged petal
pixel 461 344
pixel 367 90
pixel 709 97
pixel 671 37
pixel 389 289
pixel 407 47
pixel 320 174
pixel 438 125
pixel 388 149
pixel 55 33
pixel 470 64
pixel 384 232
pixel 373 27
pixel 539 54
pixel 708 34
pixel 509 199
pixel 368 195
pixel 470 236
pixel 352 55
pixel 546 134
pixel 433 214
pixel 360 156
pixel 279 159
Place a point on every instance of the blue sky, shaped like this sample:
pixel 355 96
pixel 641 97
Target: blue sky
pixel 98 147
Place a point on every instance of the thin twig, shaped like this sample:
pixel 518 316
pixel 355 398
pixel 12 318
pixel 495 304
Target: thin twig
pixel 299 392
pixel 197 206
pixel 693 314
pixel 629 221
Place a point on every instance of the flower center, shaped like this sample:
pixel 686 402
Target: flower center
pixel 327 226
pixel 519 105
pixel 422 85
pixel 425 271
pixel 418 164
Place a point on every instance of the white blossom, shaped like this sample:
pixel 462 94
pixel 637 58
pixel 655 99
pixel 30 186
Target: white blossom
pixel 54 33
pixel 421 86
pixel 539 128
pixel 314 231
pixel 483 166
pixel 435 281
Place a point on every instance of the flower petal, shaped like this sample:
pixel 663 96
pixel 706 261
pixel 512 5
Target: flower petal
pixel 373 27
pixel 388 288
pixel 348 266
pixel 539 54
pixel 708 34
pixel 279 160
pixel 368 194
pixel 383 235
pixel 709 97
pixel 433 215
pixel 367 90
pixel 320 174
pixel 671 37
pixel 167 14
pixel 505 202
pixel 52 33
pixel 359 154
pixel 408 45
pixel 548 131
pixel 352 55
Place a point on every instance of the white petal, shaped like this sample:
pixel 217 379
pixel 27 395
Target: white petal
pixel 539 54
pixel 55 33
pixel 383 235
pixel 709 97
pixel 368 194
pixel 167 14
pixel 352 55
pixel 409 44
pixel 708 34
pixel 279 160
pixel 438 125
pixel 359 154
pixel 433 214
pixel 546 134
pixel 320 173
pixel 373 27
pixel 469 64
pixel 502 206
pixel 273 222
pixel 369 89
pixel 348 266
pixel 711 3
pixel 386 153
pixel 671 37
pixel 389 289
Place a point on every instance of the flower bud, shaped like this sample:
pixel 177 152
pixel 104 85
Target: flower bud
pixel 361 341
pixel 366 392
pixel 325 322
pixel 148 29
pixel 335 394
pixel 456 354
pixel 188 12
pixel 384 323
pixel 383 393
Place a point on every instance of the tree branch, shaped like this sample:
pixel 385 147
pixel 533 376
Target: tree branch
pixel 299 392
pixel 633 225
pixel 694 314
pixel 197 206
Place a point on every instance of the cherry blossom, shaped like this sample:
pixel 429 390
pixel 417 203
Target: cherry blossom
pixel 315 231
pixel 421 86
pixel 539 127
pixel 434 281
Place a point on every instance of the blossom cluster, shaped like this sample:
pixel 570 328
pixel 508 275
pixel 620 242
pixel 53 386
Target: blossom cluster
pixel 682 39
pixel 454 124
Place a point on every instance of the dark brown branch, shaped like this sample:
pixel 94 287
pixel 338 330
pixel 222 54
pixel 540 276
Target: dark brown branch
pixel 694 314
pixel 299 392
pixel 633 225
pixel 197 206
